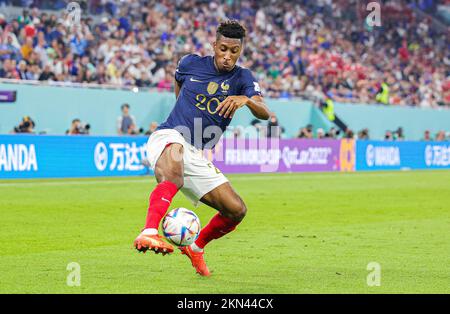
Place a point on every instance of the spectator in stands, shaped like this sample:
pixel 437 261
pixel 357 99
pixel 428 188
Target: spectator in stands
pixel 296 47
pixel 306 132
pixel 9 70
pixel 398 134
pixel 27 125
pixel 388 136
pixel 132 130
pixel 274 129
pixel 9 51
pixel 126 123
pixel 23 71
pixel 320 133
pixel 27 48
pixel 363 134
pixel 440 136
pixel 349 134
pixel 427 136
pixel 166 84
pixel 47 74
pixel 152 128
pixel 333 133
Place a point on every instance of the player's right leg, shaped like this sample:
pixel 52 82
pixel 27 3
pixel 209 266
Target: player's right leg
pixel 232 211
pixel 169 175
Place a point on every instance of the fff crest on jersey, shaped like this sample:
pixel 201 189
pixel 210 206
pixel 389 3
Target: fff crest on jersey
pixel 212 88
pixel 224 87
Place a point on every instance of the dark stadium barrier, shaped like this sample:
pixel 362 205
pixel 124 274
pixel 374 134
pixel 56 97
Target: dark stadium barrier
pixel 31 156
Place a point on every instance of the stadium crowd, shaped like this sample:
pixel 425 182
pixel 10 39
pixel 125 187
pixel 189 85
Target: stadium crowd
pixel 299 48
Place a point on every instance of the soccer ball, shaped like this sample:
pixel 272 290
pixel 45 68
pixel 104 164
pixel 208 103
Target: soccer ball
pixel 181 226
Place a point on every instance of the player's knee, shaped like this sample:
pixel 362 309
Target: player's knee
pixel 238 211
pixel 177 180
pixel 171 176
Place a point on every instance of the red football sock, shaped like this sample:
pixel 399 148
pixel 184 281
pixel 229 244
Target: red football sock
pixel 216 228
pixel 160 200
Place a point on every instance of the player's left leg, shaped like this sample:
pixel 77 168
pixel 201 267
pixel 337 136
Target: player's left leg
pixel 231 212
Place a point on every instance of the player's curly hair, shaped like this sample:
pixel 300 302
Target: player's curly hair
pixel 231 29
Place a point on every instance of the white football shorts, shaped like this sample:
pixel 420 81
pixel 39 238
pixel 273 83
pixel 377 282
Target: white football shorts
pixel 200 175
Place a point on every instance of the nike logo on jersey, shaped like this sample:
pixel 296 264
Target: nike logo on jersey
pixel 194 80
pixel 165 200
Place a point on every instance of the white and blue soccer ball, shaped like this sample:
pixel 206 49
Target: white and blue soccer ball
pixel 181 226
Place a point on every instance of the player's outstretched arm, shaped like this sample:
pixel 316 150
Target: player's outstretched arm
pixel 228 107
pixel 258 107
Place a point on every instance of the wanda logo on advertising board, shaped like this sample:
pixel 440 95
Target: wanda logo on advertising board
pixel 18 157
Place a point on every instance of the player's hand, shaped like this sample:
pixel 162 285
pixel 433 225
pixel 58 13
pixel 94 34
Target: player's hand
pixel 228 107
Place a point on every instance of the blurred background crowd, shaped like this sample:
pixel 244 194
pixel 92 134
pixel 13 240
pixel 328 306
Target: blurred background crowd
pixel 300 48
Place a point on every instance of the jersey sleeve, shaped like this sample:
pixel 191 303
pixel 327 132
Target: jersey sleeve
pixel 250 86
pixel 184 67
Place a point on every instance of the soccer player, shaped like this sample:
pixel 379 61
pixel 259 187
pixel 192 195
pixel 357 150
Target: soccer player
pixel 208 90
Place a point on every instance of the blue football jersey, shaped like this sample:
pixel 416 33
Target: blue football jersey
pixel 203 88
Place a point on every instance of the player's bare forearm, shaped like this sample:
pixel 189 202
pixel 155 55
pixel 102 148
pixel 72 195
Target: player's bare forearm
pixel 228 107
pixel 258 107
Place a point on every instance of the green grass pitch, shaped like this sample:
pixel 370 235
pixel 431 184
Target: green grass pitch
pixel 304 233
